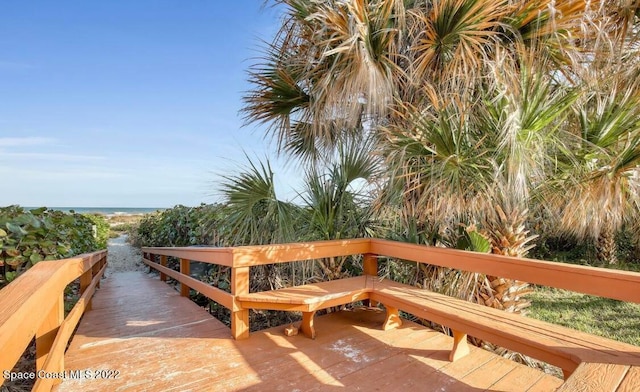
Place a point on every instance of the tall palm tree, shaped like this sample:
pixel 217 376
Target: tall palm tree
pixel 598 171
pixel 480 164
pixel 332 65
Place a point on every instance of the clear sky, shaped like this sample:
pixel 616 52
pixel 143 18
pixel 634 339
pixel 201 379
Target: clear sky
pixel 126 103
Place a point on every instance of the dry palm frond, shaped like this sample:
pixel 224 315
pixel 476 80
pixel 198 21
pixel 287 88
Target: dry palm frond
pixel 357 66
pixel 452 38
pixel 622 17
pixel 547 20
pixel 597 187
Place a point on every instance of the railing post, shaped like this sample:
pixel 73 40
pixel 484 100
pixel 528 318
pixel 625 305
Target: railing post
pixel 370 264
pixel 46 334
pixel 240 318
pixel 147 256
pixel 370 268
pixel 94 271
pixel 85 281
pixel 163 262
pixel 185 268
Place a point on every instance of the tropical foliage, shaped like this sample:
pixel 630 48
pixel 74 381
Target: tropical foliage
pixel 489 120
pixel 463 123
pixel 28 237
pixel 479 110
pixel 180 226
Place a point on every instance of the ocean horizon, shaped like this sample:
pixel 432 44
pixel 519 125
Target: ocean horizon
pixel 105 210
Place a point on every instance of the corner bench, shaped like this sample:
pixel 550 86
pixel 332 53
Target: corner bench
pixel 559 346
pixel 310 298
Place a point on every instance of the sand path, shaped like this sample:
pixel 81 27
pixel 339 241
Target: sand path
pixel 123 257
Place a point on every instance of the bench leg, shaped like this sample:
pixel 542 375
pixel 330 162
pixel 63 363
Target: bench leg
pixel 393 320
pixel 307 324
pixel 369 303
pixel 460 346
pixel 240 324
pixel 566 373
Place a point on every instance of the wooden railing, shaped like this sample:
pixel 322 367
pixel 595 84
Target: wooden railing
pixel 240 259
pixel 33 306
pixel 620 285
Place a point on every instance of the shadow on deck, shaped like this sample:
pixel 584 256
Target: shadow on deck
pixel 158 340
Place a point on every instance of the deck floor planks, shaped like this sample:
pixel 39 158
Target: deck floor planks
pixel 631 381
pixel 519 379
pixel 488 374
pixel 161 341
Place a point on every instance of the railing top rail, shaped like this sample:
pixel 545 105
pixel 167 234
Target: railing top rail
pixel 615 284
pixel 42 277
pixel 245 256
pixel 26 301
pixel 211 255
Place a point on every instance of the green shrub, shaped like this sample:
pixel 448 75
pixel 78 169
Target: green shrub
pixel 101 231
pixel 28 237
pixel 180 226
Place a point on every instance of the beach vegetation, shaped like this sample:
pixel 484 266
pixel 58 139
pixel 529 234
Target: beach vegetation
pixel 101 229
pixel 516 118
pixel 28 237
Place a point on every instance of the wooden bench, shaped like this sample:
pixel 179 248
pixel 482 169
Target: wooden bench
pixel 310 298
pixel 559 346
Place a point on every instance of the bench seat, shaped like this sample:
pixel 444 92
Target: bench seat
pixel 559 346
pixel 310 298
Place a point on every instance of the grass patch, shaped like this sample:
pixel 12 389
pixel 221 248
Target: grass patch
pixel 598 316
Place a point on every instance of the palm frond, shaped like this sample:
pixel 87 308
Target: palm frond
pixel 604 165
pixel 452 37
pixel 255 214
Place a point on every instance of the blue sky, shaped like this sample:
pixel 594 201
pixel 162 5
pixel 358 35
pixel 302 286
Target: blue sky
pixel 127 103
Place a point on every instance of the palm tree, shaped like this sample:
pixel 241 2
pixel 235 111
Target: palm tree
pixel 255 216
pixel 480 164
pixel 335 205
pixel 598 170
pixel 332 65
pixel 604 166
pixel 467 100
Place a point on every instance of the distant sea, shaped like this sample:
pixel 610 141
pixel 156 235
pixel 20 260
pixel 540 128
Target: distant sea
pixel 105 210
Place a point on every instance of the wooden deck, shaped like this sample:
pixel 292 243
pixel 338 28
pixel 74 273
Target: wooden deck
pixel 157 340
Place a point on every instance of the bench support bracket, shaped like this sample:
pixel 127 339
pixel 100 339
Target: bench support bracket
pixel 460 346
pixel 393 320
pixel 307 324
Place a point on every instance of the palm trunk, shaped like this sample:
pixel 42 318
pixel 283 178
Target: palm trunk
pixel 509 237
pixel 606 247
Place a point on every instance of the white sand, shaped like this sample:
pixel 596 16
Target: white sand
pixel 123 257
